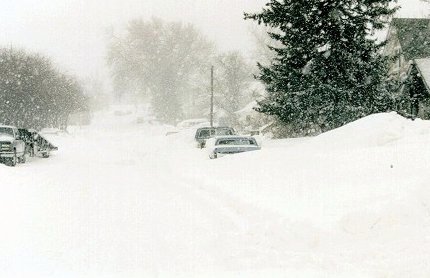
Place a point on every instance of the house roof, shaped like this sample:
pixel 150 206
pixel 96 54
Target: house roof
pixel 423 66
pixel 414 36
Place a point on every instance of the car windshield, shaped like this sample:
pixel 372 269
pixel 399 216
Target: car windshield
pixel 236 141
pixel 6 131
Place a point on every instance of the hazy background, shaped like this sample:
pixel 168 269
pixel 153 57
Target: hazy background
pixel 73 32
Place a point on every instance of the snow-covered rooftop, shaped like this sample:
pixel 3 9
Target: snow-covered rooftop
pixel 423 66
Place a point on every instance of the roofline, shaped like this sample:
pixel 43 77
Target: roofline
pixel 390 26
pixel 402 86
pixel 388 38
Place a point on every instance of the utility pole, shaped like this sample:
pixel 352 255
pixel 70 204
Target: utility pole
pixel 212 96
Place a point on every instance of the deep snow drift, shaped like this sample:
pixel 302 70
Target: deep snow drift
pixel 121 199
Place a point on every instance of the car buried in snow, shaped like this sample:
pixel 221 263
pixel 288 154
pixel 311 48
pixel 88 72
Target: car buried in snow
pixel 222 145
pixel 12 147
pixel 204 133
pixel 190 123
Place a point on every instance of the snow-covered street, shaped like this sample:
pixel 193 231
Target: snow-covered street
pixel 123 200
pixel 201 138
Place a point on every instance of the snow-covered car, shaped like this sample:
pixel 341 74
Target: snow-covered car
pixel 140 119
pixel 12 147
pixel 122 112
pixel 204 133
pixel 192 123
pixel 188 125
pixel 51 131
pixel 231 144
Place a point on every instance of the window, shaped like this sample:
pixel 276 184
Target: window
pixel 204 133
pixel 236 141
pixel 6 130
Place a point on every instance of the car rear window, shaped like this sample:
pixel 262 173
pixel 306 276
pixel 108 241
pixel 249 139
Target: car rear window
pixel 234 141
pixel 206 133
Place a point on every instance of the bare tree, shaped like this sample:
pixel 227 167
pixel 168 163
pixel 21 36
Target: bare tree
pixel 159 59
pixel 34 94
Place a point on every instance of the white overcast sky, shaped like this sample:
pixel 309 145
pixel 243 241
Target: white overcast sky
pixel 72 32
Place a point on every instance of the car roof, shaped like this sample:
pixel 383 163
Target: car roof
pixel 233 137
pixel 215 127
pixel 194 120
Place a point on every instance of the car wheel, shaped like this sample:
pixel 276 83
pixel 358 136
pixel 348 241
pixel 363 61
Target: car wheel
pixel 12 160
pixel 23 158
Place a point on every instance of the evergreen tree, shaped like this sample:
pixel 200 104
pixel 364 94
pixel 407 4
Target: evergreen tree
pixel 328 70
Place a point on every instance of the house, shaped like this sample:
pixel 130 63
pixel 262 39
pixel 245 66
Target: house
pixel 254 122
pixel 407 39
pixel 408 46
pixel 247 113
pixel 415 91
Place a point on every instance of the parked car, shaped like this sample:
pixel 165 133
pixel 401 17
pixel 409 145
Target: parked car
pixel 189 124
pixel 192 123
pixel 42 146
pixel 170 132
pixel 122 112
pixel 12 147
pixel 27 135
pixel 231 144
pixel 204 133
pixel 51 131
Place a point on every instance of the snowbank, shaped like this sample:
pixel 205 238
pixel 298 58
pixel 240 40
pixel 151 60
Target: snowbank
pixel 373 131
pixel 365 183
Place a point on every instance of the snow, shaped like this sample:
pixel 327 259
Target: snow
pixel 5 137
pixel 123 200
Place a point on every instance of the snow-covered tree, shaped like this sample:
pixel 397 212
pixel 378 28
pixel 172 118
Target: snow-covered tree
pixel 328 70
pixel 34 94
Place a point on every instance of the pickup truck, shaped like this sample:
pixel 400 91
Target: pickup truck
pixel 12 147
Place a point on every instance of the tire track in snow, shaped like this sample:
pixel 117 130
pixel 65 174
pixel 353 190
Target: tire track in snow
pixel 266 239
